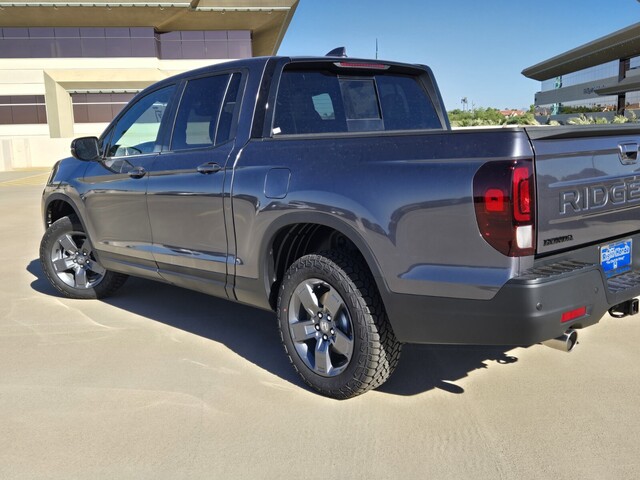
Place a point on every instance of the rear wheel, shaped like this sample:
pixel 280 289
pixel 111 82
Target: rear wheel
pixel 334 327
pixel 68 261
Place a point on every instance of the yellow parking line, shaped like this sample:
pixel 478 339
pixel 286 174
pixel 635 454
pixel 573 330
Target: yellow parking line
pixel 39 179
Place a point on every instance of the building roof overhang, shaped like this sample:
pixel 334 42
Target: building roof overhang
pixel 627 85
pixel 268 20
pixel 621 44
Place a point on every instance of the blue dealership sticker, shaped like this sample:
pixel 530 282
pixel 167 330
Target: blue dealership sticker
pixel 616 257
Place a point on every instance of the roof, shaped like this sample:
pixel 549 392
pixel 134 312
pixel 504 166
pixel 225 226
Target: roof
pixel 621 44
pixel 268 20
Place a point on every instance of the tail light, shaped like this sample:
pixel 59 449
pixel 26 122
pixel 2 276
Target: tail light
pixel 504 199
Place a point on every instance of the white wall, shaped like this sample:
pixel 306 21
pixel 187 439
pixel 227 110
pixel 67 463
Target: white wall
pixel 29 152
pixel 29 146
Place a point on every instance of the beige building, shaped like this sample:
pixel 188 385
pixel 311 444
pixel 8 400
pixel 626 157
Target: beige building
pixel 67 68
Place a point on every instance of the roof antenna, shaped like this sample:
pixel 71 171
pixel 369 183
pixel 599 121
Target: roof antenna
pixel 337 52
pixel 376 48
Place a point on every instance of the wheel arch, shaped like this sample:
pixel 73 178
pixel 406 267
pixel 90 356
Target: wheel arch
pixel 301 233
pixel 57 206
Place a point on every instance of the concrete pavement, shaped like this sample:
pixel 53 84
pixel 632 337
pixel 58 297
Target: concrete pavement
pixel 160 382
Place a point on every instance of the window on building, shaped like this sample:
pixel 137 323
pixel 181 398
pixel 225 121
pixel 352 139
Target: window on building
pixel 109 42
pixel 592 105
pixel 597 72
pixel 632 101
pixel 22 109
pixel 544 110
pixel 204 44
pixel 98 107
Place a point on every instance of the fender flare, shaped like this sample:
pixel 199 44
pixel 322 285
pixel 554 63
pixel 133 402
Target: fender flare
pixel 323 219
pixel 69 201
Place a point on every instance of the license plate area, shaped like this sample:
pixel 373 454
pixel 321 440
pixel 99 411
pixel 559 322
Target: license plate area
pixel 615 258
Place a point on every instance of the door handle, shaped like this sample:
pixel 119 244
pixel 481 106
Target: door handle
pixel 628 153
pixel 137 172
pixel 209 167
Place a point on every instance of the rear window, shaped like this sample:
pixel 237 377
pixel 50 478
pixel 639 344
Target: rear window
pixel 324 102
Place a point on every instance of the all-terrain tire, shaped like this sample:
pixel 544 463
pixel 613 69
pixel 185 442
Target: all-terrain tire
pixel 349 354
pixel 68 261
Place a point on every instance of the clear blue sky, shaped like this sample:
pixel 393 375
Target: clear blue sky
pixel 476 48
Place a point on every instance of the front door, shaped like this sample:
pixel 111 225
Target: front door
pixel 115 195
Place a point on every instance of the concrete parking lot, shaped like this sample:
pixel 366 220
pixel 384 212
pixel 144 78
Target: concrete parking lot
pixel 160 382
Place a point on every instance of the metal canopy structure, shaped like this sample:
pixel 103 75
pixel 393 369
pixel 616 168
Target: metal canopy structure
pixel 621 44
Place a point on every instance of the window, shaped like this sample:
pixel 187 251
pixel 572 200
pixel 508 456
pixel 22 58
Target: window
pixel 136 132
pixel 22 109
pixel 360 99
pixel 98 107
pixel 296 111
pixel 632 100
pixel 65 42
pixel 205 115
pixel 109 42
pixel 590 74
pixel 204 44
pixel 321 101
pixel 361 105
pixel 324 106
pixel 405 105
pixel 229 111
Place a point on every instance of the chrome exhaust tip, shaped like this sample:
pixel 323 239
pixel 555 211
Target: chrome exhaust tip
pixel 564 342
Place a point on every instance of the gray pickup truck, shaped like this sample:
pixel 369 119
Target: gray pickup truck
pixel 333 191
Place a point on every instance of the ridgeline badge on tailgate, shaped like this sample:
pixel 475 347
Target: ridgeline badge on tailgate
pixel 592 197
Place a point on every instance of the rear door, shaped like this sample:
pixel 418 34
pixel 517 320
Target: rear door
pixel 187 183
pixel 588 186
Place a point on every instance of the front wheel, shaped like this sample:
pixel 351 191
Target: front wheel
pixel 334 327
pixel 68 261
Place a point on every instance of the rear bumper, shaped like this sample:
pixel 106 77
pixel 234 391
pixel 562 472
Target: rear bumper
pixel 525 311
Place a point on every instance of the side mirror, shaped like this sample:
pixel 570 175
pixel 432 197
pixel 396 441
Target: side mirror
pixel 85 149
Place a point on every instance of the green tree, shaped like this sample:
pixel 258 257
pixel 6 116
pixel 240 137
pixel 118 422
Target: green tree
pixel 477 117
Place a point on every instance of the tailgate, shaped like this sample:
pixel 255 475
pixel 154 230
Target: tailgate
pixel 588 184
